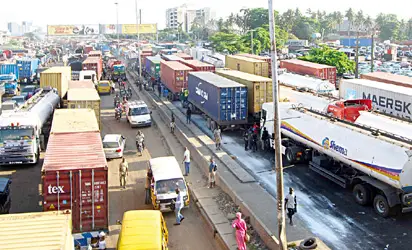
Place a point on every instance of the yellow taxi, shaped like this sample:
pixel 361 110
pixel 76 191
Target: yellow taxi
pixel 104 87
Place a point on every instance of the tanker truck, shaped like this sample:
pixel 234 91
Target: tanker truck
pixel 376 165
pixel 24 132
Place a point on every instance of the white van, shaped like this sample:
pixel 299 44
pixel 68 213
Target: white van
pixel 138 114
pixel 167 176
pixel 85 75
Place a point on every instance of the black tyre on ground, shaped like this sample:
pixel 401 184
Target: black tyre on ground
pixel 381 205
pixel 362 194
pixel 290 156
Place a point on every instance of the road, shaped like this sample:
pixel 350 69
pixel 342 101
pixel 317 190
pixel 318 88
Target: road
pixel 191 234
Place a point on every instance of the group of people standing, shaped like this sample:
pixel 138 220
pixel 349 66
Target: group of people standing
pixel 251 138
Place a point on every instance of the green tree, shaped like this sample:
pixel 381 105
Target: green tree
pixel 332 57
pixel 227 42
pixel 350 15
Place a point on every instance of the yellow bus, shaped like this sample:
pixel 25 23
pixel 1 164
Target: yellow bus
pixel 143 230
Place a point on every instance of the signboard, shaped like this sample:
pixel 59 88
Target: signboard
pixel 70 30
pixel 110 29
pixel 143 29
pixel 298 43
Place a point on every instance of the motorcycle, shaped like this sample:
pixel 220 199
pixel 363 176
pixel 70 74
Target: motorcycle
pixel 139 147
pixel 129 92
pixel 140 87
pixel 118 115
pixel 116 103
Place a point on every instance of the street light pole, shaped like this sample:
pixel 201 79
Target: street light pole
pixel 277 142
pixel 117 28
pixel 138 42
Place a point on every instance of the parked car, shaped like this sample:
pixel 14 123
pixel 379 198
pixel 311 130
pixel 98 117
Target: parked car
pixel 28 91
pixel 113 145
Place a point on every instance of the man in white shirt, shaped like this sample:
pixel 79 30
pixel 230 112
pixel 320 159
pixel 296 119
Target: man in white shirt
pixel 290 204
pixel 186 160
pixel 179 204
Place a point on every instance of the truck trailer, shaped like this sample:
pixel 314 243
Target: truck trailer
pixel 374 164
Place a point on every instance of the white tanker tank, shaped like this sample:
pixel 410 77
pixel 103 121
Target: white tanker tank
pixel 378 166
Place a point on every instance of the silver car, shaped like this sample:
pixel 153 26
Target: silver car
pixel 114 145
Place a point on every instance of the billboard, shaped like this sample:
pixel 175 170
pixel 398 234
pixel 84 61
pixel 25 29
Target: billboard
pixel 73 30
pixel 109 29
pixel 129 29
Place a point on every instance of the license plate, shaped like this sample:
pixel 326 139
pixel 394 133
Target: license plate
pixel 16 162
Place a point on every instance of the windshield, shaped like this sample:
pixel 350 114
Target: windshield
pixel 169 186
pixel 7 106
pixel 139 111
pixel 29 89
pixel 19 99
pixel 104 84
pixel 14 133
pixel 110 144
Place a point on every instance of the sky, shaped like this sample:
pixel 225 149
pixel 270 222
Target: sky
pixel 43 12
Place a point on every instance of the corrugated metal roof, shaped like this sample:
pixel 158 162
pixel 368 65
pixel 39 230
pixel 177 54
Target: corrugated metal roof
pixel 243 75
pixel 45 230
pixel 245 58
pixel 74 121
pixel 309 64
pixel 391 77
pixel 82 95
pixel 57 70
pixel 198 63
pixel 176 65
pixel 74 151
pixel 216 80
pixel 380 85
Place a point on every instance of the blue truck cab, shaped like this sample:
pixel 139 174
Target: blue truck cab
pixel 10 84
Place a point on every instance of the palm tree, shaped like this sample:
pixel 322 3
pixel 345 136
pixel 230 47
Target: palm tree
pixel 338 18
pixel 359 22
pixel 350 16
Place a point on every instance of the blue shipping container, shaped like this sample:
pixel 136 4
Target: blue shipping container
pixel 27 67
pixel 351 42
pixel 224 100
pixel 6 69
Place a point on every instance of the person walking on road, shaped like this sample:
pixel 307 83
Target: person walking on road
pixel 123 172
pixel 241 231
pixel 254 142
pixel 148 185
pixel 212 173
pixel 290 204
pixel 178 207
pixel 265 139
pixel 188 115
pixel 172 124
pixel 101 243
pixel 159 89
pixel 218 137
pixel 246 139
pixel 186 161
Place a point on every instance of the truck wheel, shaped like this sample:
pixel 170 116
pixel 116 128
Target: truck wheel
pixel 290 156
pixel 381 206
pixel 361 194
pixel 309 243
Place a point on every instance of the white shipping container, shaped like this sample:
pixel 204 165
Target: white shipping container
pixel 312 84
pixel 198 53
pixel 386 98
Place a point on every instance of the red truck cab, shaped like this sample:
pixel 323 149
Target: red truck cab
pixel 349 110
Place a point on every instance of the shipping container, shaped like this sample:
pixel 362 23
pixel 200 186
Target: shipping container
pixel 184 56
pixel 262 58
pixel 95 53
pixel 321 71
pixel 259 88
pixel 93 63
pixel 85 84
pixel 8 53
pixel 74 121
pixel 168 51
pixel 386 98
pixel 223 100
pixel 44 230
pixel 171 58
pixel 8 68
pixel 84 98
pixel 56 77
pixel 174 75
pixel 157 49
pixel 247 65
pixel 75 177
pixel 198 53
pixel 153 66
pixel 87 49
pixel 404 81
pixel 27 67
pixel 198 65
pixel 167 45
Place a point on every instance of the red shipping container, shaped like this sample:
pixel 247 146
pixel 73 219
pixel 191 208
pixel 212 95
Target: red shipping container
pixel 94 63
pixel 262 58
pixel 199 66
pixel 404 81
pixel 321 71
pixel 74 176
pixel 87 49
pixel 184 56
pixel 174 75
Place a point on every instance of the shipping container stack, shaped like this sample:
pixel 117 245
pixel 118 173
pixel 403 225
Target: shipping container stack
pixel 184 56
pixel 174 75
pixel 247 65
pixel 199 66
pixel 262 58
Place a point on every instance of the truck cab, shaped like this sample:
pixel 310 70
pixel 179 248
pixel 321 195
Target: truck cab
pixel 8 106
pixel 87 75
pixel 138 114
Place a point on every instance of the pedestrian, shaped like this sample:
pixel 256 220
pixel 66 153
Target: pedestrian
pixel 249 134
pixel 159 89
pixel 246 139
pixel 101 243
pixel 148 185
pixel 265 139
pixel 218 137
pixel 212 173
pixel 254 142
pixel 241 231
pixel 123 172
pixel 178 207
pixel 113 87
pixel 290 204
pixel 188 115
pixel 172 124
pixel 186 161
pixel 212 125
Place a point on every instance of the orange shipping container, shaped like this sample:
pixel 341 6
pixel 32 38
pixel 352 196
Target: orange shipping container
pixel 321 71
pixel 199 66
pixel 389 78
pixel 174 75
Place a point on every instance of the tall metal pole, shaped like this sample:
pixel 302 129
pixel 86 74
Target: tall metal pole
pixel 251 40
pixel 372 52
pixel 277 142
pixel 117 28
pixel 138 42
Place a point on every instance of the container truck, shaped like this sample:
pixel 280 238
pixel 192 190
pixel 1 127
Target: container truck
pixel 374 164
pixel 10 84
pixel 174 76
pixel 199 66
pixel 119 72
pixel 168 51
pixel 9 68
pixel 221 100
pixel 199 53
pixel 47 230
pixel 27 68
pixel 259 89
pixel 74 121
pixel 153 66
pixel 85 84
pixel 321 71
pixel 58 78
pixel 171 58
pixel 95 64
pixel 247 65
pixel 95 53
pixel 389 78
pixel 84 98
pixel 217 62
pixel 262 58
pixel 184 56
pixel 386 98
pixel 75 177
pixel 87 49
pixel 25 132
pixel 307 83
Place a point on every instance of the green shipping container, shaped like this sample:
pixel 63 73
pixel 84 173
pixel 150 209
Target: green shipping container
pixel 153 66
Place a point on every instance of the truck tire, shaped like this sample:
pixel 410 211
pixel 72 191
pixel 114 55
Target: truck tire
pixel 381 206
pixel 290 156
pixel 362 194
pixel 309 243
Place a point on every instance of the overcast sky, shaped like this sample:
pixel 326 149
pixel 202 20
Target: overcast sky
pixel 43 12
